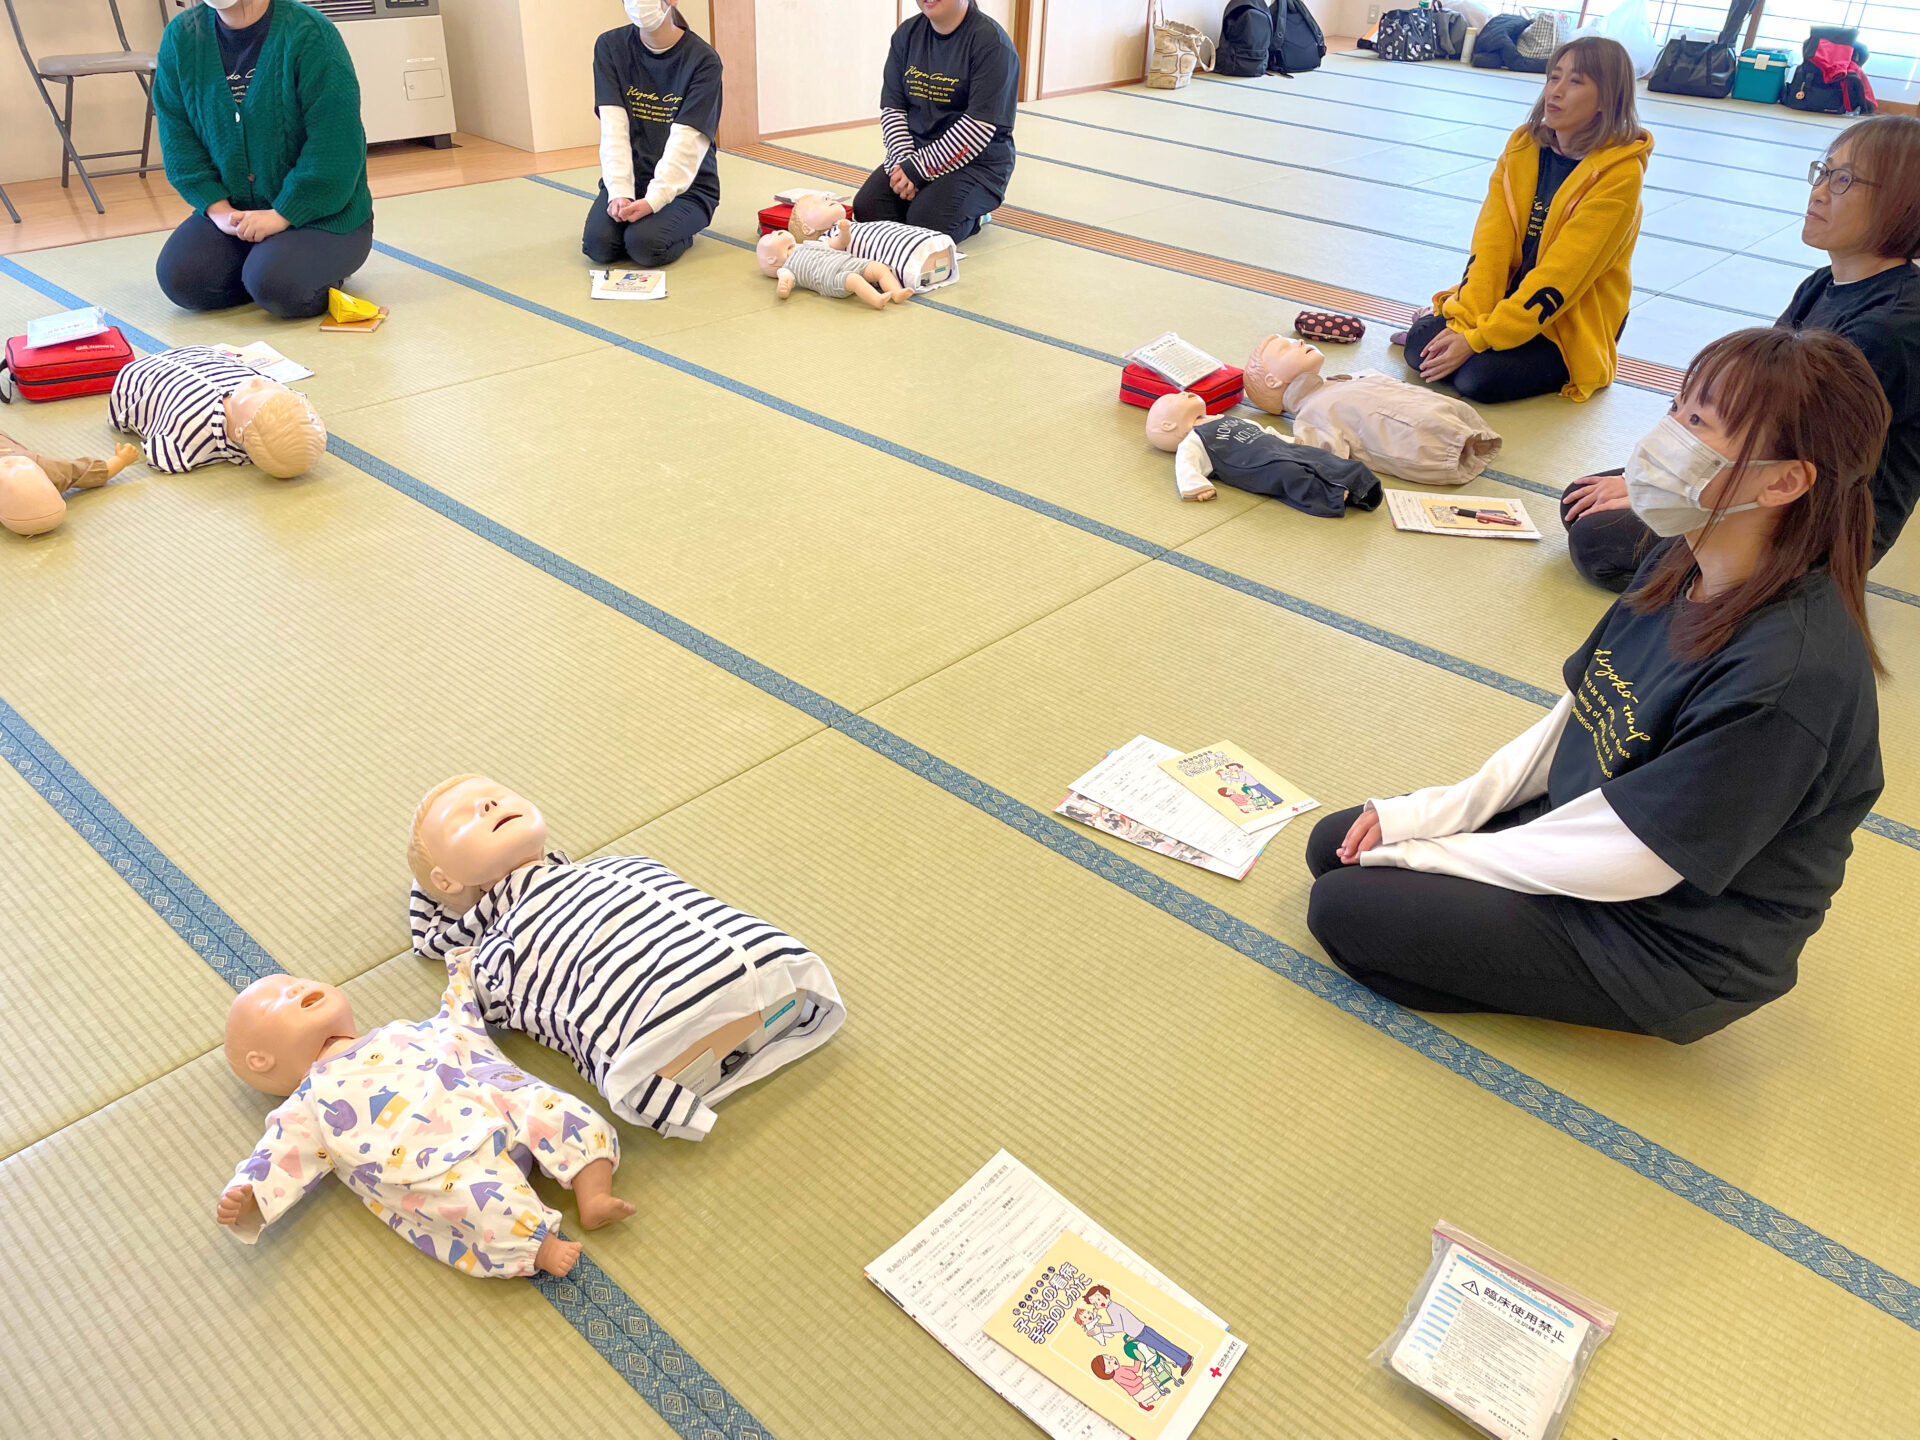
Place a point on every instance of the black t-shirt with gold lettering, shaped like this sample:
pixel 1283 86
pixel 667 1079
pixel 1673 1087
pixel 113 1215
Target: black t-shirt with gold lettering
pixel 937 78
pixel 679 87
pixel 1747 772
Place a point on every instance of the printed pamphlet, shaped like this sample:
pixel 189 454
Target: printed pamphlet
pixel 1106 819
pixel 629 284
pixel 1174 360
pixel 1239 787
pixel 1460 515
pixel 66 327
pixel 955 1270
pixel 1115 1341
pixel 1131 782
pixel 268 361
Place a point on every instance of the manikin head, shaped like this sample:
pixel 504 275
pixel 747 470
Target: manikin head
pixel 1275 364
pixel 277 427
pixel 30 503
pixel 469 834
pixel 1171 418
pixel 773 250
pixel 814 217
pixel 277 1027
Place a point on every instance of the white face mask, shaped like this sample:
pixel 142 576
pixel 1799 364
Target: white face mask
pixel 647 14
pixel 1670 469
pixel 222 4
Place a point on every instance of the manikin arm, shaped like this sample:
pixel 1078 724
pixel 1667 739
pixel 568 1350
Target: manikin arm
pixel 679 164
pixel 1583 849
pixel 1192 469
pixel 1517 772
pixel 616 152
pixel 289 1161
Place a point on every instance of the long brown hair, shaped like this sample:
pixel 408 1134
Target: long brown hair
pixel 1606 63
pixel 1791 395
pixel 1885 153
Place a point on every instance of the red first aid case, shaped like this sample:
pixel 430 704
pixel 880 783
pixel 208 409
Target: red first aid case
pixel 60 372
pixel 775 217
pixel 1221 390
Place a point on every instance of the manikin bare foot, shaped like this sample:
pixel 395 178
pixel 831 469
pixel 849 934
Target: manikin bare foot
pixel 556 1256
pixel 863 287
pixel 593 1193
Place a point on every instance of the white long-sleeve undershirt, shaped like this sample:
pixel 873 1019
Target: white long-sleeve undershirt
pixel 679 162
pixel 1581 849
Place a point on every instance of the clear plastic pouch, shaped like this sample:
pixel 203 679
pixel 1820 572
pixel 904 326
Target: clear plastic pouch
pixel 1497 1343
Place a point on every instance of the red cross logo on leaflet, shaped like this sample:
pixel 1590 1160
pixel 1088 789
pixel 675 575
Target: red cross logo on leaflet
pixel 1216 1372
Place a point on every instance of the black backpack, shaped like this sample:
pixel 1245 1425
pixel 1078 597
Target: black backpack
pixel 1297 42
pixel 1702 67
pixel 1407 35
pixel 1246 35
pixel 1807 90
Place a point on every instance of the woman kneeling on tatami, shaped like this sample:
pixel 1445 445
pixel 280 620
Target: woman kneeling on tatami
pixel 1652 855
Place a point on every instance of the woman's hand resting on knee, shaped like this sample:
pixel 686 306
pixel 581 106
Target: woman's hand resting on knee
pixel 1591 494
pixel 1364 835
pixel 628 211
pixel 253 226
pixel 1445 353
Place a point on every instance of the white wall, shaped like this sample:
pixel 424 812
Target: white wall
pixel 106 112
pixel 491 97
pixel 820 60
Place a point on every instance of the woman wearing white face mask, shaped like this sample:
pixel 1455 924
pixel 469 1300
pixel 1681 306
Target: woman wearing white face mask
pixel 657 87
pixel 259 114
pixel 1864 211
pixel 1652 855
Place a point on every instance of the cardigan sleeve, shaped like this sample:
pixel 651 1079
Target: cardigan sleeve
pixel 1485 279
pixel 1586 246
pixel 189 165
pixel 333 159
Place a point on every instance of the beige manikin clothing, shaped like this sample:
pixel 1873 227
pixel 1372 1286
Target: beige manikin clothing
pixel 65 474
pixel 1391 426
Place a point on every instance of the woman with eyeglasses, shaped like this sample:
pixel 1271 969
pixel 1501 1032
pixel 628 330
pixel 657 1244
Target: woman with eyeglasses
pixel 1865 213
pixel 1654 853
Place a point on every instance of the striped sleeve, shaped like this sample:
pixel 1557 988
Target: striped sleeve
pixel 958 147
pixel 899 139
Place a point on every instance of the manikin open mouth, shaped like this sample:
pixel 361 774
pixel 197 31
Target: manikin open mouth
pixel 312 998
pixel 503 820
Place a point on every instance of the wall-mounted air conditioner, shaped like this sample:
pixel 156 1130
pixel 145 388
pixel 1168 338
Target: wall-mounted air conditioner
pixel 399 51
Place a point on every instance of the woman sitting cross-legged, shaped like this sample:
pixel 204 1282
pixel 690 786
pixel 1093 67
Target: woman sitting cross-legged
pixel 259 113
pixel 1865 213
pixel 1653 854
pixel 1546 289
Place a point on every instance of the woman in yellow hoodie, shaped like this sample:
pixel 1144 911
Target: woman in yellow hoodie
pixel 1546 289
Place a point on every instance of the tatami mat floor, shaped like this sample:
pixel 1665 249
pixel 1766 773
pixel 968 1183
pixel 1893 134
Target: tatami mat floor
pixel 824 608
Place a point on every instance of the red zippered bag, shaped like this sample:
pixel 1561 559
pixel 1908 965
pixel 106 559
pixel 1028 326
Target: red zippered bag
pixel 60 372
pixel 1222 390
pixel 775 217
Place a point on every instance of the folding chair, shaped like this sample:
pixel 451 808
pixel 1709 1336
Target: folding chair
pixel 65 69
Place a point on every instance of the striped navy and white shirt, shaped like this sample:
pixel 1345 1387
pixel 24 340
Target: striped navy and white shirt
pixel 176 402
pixel 903 249
pixel 621 965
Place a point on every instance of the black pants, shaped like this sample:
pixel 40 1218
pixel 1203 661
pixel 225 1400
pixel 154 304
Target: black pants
pixel 953 203
pixel 659 239
pixel 1606 547
pixel 204 268
pixel 1437 942
pixel 1494 377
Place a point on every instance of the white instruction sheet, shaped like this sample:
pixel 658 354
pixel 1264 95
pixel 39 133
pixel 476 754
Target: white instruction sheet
pixel 1131 781
pixel 955 1267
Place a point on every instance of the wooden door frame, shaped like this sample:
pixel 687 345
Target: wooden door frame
pixel 735 37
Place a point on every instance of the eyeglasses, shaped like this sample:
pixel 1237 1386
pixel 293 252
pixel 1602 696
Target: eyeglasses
pixel 1838 181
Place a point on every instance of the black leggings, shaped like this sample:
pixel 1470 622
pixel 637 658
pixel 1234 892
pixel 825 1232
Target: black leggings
pixel 1440 943
pixel 953 203
pixel 659 239
pixel 203 268
pixel 1606 547
pixel 1494 377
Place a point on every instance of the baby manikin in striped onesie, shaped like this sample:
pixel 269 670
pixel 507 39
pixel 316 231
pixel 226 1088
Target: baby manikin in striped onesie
pixel 667 999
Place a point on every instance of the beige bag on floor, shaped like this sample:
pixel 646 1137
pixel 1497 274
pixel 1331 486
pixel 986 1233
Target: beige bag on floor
pixel 1174 50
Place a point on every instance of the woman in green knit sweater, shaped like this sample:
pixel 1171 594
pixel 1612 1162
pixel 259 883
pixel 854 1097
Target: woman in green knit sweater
pixel 259 111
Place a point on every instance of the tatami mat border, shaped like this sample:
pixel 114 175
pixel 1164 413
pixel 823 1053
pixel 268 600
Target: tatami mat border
pixel 214 935
pixel 1801 1243
pixel 1032 154
pixel 654 1364
pixel 1746 1212
pixel 1645 374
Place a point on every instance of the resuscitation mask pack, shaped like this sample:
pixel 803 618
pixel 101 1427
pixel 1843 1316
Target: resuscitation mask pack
pixel 1670 470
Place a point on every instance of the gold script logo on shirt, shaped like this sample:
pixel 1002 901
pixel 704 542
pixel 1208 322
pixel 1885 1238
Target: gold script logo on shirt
pixel 930 85
pixel 1605 706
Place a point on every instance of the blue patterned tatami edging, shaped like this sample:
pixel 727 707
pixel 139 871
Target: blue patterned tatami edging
pixel 1801 1243
pixel 651 1361
pixel 215 936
